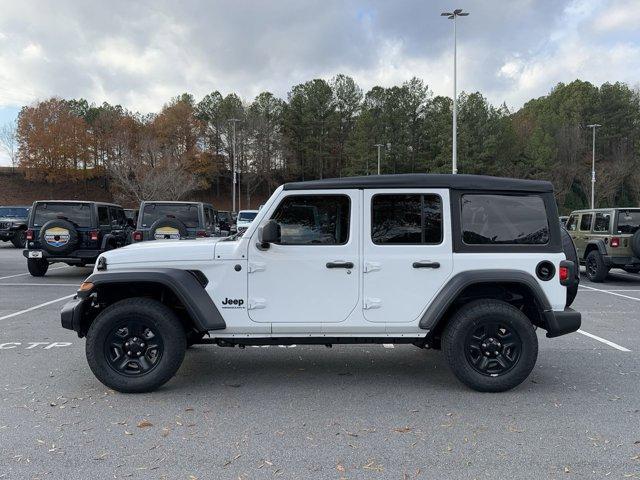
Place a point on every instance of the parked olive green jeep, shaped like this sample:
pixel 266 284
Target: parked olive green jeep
pixel 606 238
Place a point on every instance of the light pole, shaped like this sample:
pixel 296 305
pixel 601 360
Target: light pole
pixel 379 145
pixel 452 16
pixel 234 121
pixel 593 127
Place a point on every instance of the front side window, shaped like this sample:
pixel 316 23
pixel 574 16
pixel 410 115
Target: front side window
pixel 504 220
pixel 628 221
pixel 313 219
pixel 572 223
pixel 77 213
pixel 585 222
pixel 601 223
pixel 406 219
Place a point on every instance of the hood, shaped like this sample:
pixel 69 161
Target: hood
pixel 13 219
pixel 156 251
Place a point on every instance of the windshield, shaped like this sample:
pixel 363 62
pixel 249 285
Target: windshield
pixel 187 214
pixel 246 216
pixel 78 213
pixel 14 212
pixel 224 216
pixel 628 221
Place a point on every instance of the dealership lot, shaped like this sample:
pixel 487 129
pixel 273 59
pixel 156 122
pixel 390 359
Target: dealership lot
pixel 309 412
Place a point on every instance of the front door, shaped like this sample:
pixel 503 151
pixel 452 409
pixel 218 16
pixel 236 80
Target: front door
pixel 311 275
pixel 407 252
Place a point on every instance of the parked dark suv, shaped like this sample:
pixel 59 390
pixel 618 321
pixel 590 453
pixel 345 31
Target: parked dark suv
pixel 72 232
pixel 226 223
pixel 13 225
pixel 175 221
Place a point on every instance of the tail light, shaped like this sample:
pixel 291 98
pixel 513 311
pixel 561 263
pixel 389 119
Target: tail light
pixel 137 236
pixel 201 233
pixel 94 235
pixel 564 273
pixel 615 242
pixel 30 235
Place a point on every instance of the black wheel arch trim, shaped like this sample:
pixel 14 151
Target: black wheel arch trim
pixel 599 244
pixel 184 284
pixel 554 323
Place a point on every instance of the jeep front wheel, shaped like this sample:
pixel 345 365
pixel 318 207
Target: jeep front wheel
pixel 37 267
pixel 135 345
pixel 19 239
pixel 490 345
pixel 597 271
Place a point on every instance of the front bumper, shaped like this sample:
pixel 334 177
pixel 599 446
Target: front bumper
pixel 562 322
pixel 76 257
pixel 8 233
pixel 73 312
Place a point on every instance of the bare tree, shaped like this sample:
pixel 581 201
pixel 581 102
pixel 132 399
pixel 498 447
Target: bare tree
pixel 9 142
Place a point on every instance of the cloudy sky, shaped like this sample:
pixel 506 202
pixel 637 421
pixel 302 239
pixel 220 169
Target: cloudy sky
pixel 139 54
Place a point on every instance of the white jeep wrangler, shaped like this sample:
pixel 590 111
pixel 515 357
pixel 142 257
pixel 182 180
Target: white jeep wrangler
pixel 471 265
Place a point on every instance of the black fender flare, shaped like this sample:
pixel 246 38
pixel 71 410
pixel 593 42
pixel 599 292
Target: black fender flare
pixel 457 284
pixel 186 286
pixel 599 245
pixel 106 239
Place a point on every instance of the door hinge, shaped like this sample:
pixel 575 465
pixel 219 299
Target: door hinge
pixel 372 303
pixel 371 267
pixel 257 304
pixel 256 267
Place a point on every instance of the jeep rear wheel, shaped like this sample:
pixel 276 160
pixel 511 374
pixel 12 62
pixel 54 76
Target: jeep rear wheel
pixel 490 346
pixel 19 239
pixel 37 266
pixel 597 271
pixel 135 345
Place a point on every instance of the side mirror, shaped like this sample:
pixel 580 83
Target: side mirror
pixel 268 233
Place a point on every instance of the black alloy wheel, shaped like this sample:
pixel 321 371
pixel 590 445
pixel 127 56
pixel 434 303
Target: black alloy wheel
pixel 133 348
pixel 493 349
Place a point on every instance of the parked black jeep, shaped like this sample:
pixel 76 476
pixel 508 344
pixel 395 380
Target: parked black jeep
pixel 72 232
pixel 13 225
pixel 167 220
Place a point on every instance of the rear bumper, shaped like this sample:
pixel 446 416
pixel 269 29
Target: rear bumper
pixel 77 257
pixel 72 313
pixel 562 322
pixel 611 261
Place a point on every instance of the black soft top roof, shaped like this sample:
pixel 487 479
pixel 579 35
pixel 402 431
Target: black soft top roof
pixel 426 180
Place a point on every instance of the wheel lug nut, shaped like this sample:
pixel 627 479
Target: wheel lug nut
pixel 129 353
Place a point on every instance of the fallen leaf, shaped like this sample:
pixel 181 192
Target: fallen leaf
pixel 341 468
pixel 126 432
pixel 402 429
pixel 144 424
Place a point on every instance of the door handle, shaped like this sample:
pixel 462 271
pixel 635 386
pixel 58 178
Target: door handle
pixel 339 264
pixel 426 265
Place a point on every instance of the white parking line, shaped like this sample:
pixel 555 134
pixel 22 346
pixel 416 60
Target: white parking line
pixel 22 274
pixel 11 315
pixel 603 340
pixel 611 292
pixel 39 284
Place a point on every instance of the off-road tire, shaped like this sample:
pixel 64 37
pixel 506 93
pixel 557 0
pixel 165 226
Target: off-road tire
pixel 597 271
pixel 37 266
pixel 468 319
pixel 19 239
pixel 166 324
pixel 570 252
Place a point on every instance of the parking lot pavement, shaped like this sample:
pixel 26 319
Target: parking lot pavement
pixel 313 412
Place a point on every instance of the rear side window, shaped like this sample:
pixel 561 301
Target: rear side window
pixel 602 221
pixel 406 219
pixel 572 223
pixel 187 214
pixel 504 220
pixel 78 213
pixel 628 221
pixel 313 219
pixel 103 216
pixel 585 222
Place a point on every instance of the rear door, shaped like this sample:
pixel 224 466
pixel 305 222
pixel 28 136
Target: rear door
pixel 407 252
